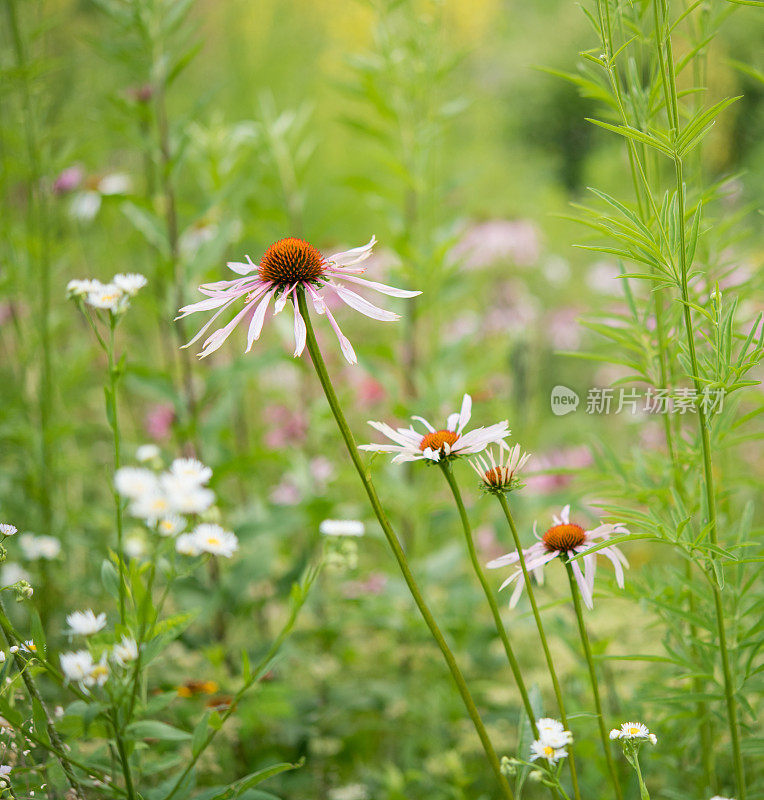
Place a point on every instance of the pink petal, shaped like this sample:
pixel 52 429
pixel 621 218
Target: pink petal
pixel 349 257
pixel 364 306
pixel 379 287
pixel 300 331
pixel 345 346
pixel 258 320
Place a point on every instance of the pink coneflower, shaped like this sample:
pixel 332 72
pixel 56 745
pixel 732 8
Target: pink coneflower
pixel 563 539
pixel 159 421
pixel 435 445
pixel 287 265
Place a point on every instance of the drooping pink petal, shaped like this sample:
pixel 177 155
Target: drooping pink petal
pixel 361 304
pixel 216 340
pixel 300 330
pixel 345 346
pixel 400 436
pixel 242 268
pixel 258 319
pixel 209 322
pixel 583 585
pixel 379 287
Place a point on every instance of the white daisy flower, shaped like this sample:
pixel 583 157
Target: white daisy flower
pixel 36 547
pixel 135 482
pixel 85 623
pixel 719 797
pixel 215 540
pixel 498 473
pixel 191 470
pixel 147 452
pixel 539 749
pixel 115 183
pixel 11 573
pixel 28 647
pixel 552 732
pixel 130 283
pixel 185 499
pixel 633 730
pixel 171 526
pixel 6 529
pixel 152 507
pixel 99 673
pixel 449 442
pixel 108 296
pixel 125 651
pixel 562 539
pixel 2 656
pixel 341 527
pixel 187 545
pixel 77 665
pixel 85 205
pixel 135 545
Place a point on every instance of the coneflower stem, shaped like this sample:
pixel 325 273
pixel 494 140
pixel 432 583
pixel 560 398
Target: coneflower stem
pixel 448 473
pixel 542 636
pixel 395 546
pixel 593 677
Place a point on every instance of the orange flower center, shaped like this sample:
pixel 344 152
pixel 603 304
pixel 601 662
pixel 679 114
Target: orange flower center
pixel 435 441
pixel 497 476
pixel 291 261
pixel 563 537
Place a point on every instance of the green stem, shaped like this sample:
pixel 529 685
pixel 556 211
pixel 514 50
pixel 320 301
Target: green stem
pixel 395 546
pixel 663 39
pixel 448 473
pixel 643 793
pixel 593 677
pixel 39 230
pixel 35 695
pixel 124 760
pixel 114 424
pixel 542 636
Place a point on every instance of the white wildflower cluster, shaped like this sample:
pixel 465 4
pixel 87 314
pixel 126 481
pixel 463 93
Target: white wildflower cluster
pixel 80 667
pixel 5 771
pixel 552 741
pixel 35 548
pixel 113 297
pixel 633 732
pixel 164 500
pixel 6 529
pixel 341 527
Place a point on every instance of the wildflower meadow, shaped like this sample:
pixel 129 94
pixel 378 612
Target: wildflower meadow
pixel 380 399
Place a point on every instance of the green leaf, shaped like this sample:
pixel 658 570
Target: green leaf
pixel 154 729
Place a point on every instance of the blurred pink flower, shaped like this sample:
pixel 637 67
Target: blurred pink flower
pixel 487 243
pixel 159 420
pixel 68 180
pixel 6 312
pixel 563 330
pixel 285 427
pixel 570 458
pixel 488 545
pixel 373 585
pixel 321 469
pixel 285 493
